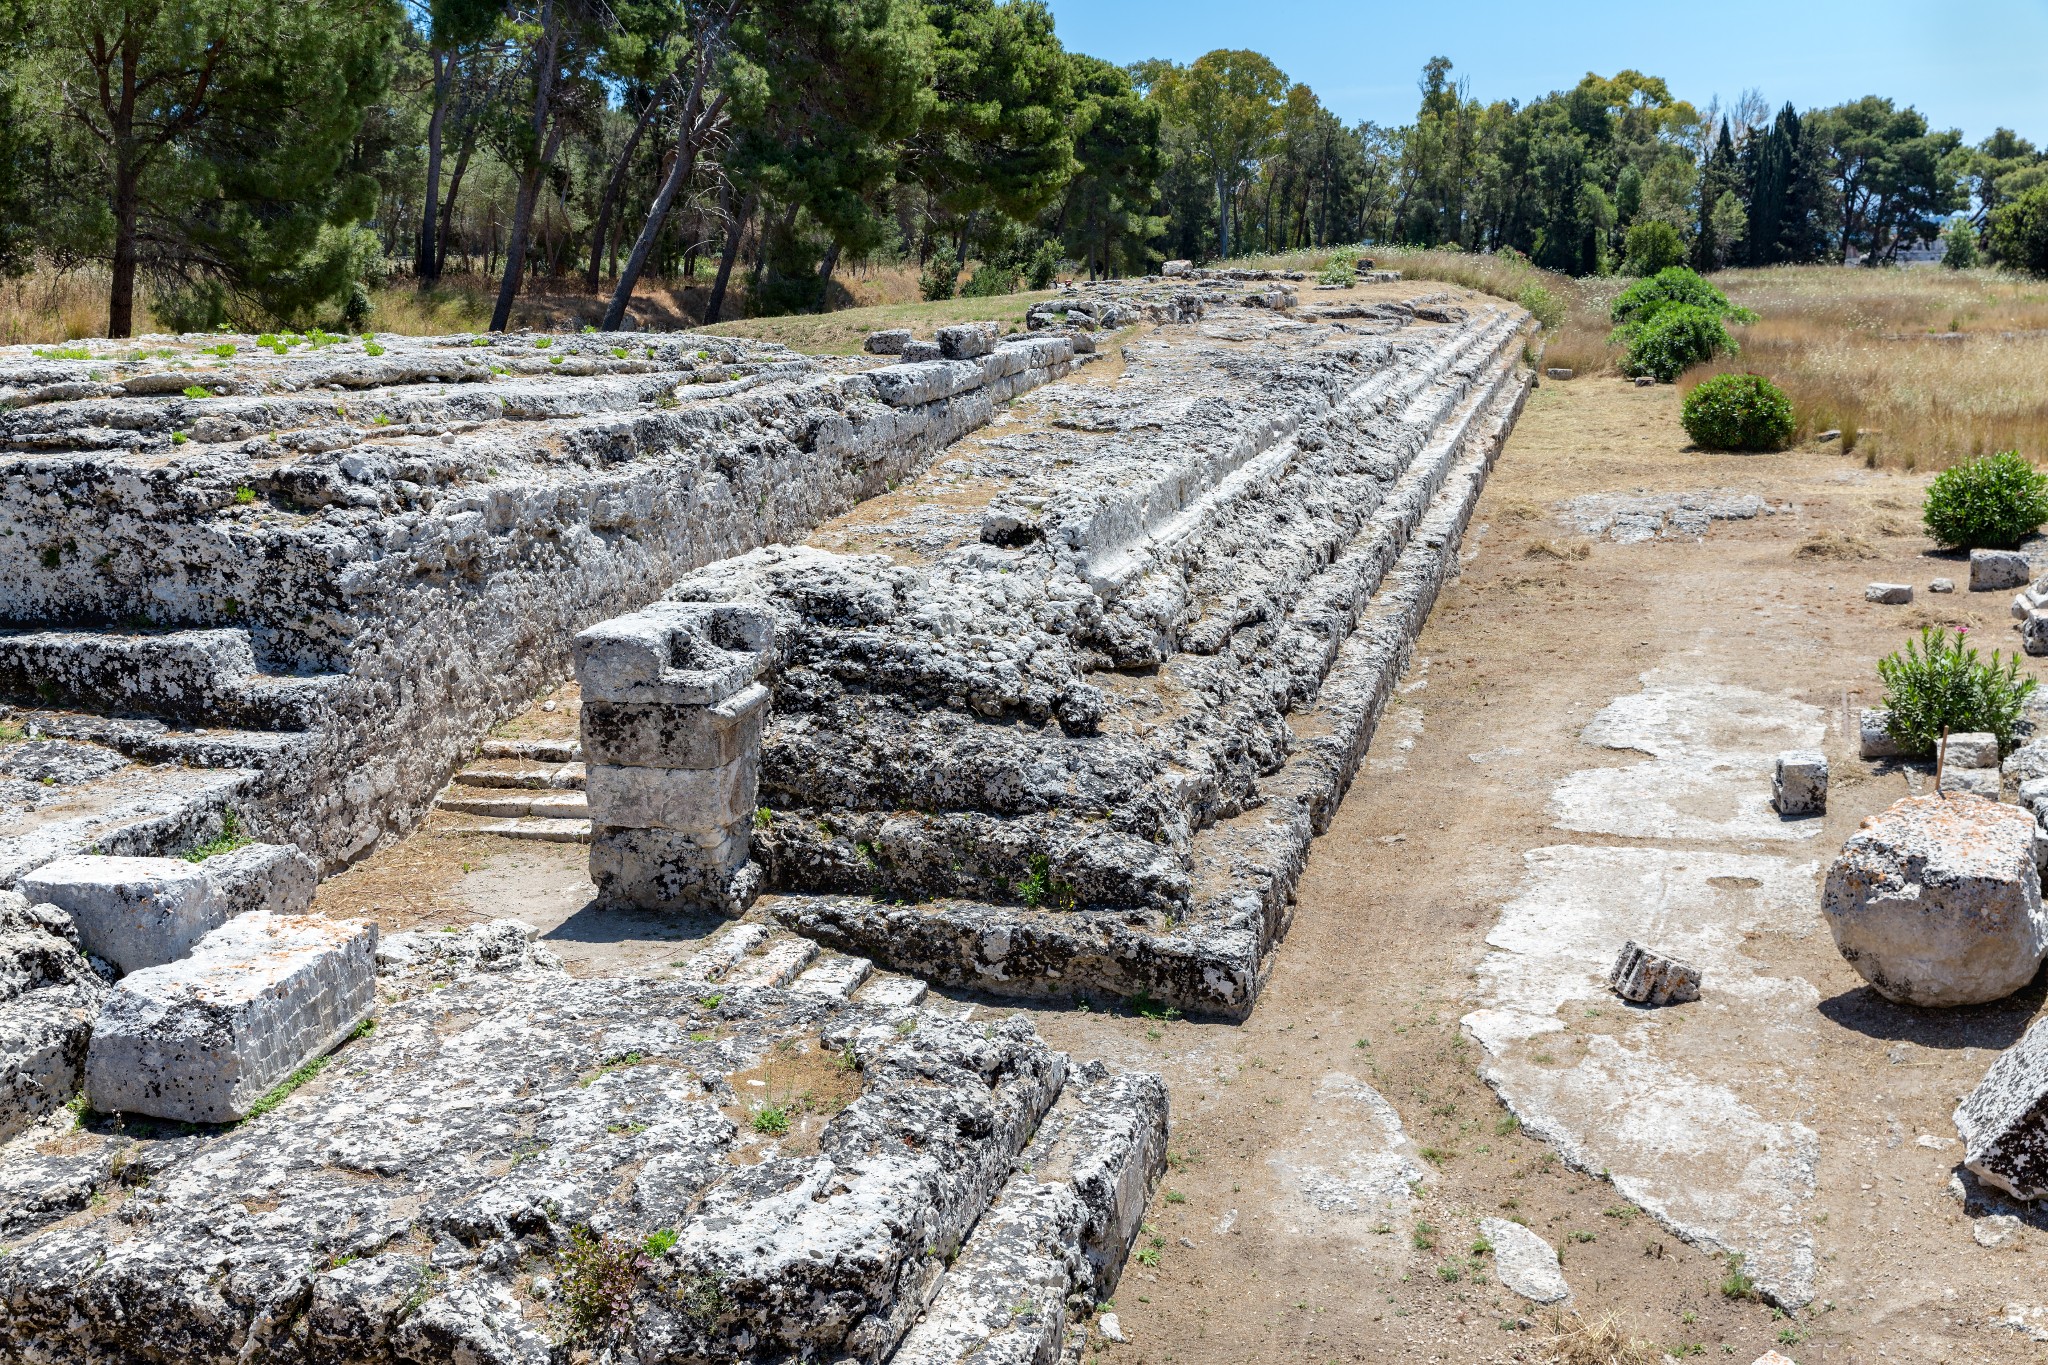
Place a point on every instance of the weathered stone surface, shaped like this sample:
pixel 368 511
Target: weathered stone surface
pixel 49 995
pixel 888 341
pixel 1799 783
pixel 2034 634
pixel 1936 901
pixel 142 912
pixel 1874 737
pixel 1991 570
pixel 1942 585
pixel 1650 978
pixel 1889 594
pixel 661 869
pixel 2004 1121
pixel 967 340
pixel 1556 372
pixel 202 1039
pixel 1982 782
pixel 1525 1262
pixel 705 802
pixel 672 654
pixel 357 557
pixel 639 734
pixel 1974 750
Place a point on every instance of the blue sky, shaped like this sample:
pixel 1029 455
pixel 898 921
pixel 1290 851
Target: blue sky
pixel 1969 64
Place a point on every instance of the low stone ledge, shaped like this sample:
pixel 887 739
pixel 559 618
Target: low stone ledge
pixel 203 1039
pixel 49 995
pixel 144 912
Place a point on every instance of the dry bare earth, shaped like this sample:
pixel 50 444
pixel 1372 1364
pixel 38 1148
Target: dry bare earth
pixel 1292 1224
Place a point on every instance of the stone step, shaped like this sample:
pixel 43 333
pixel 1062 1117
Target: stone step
pixel 833 975
pixel 722 951
pixel 505 803
pixel 539 829
pixel 777 964
pixel 890 991
pixel 202 677
pixel 523 774
pixel 533 750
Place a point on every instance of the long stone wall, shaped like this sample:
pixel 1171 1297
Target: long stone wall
pixel 327 572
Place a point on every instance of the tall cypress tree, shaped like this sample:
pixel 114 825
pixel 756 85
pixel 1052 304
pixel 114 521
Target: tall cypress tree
pixel 1722 174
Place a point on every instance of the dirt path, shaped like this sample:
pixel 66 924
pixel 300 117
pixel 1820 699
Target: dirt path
pixel 1289 1231
pixel 1333 1157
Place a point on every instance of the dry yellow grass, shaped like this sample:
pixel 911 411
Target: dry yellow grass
pixel 50 305
pixel 1918 368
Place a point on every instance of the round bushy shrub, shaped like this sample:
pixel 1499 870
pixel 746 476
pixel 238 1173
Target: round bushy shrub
pixel 1676 287
pixel 1992 502
pixel 1941 685
pixel 1738 412
pixel 1671 341
pixel 1651 246
pixel 2017 234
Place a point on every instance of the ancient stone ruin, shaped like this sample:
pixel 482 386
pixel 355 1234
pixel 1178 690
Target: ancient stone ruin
pixel 1029 664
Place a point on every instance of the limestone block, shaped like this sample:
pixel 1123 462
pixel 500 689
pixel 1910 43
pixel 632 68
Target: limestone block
pixel 1936 901
pixel 1556 372
pixel 275 878
pixel 919 351
pixel 655 736
pixel 202 1039
pixel 1984 782
pixel 701 802
pixel 2004 1121
pixel 1799 783
pixel 2034 633
pixel 1650 978
pixel 966 340
pixel 889 341
pixel 1942 585
pixel 1973 750
pixel 1525 1262
pixel 1874 739
pixel 1889 594
pixel 1172 268
pixel 134 912
pixel 49 996
pixel 916 382
pixel 1991 570
pixel 659 869
pixel 673 653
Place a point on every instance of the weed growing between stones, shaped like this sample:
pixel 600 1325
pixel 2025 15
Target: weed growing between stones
pixel 771 1120
pixel 284 1088
pixel 1737 1284
pixel 231 837
pixel 1938 683
pixel 598 1275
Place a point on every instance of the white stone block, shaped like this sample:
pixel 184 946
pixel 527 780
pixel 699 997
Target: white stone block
pixel 1889 594
pixel 1942 585
pixel 202 1039
pixel 1973 750
pixel 673 653
pixel 2003 1122
pixel 1984 782
pixel 1991 570
pixel 134 912
pixel 1645 977
pixel 889 341
pixel 967 340
pixel 1936 901
pixel 704 802
pixel 1799 783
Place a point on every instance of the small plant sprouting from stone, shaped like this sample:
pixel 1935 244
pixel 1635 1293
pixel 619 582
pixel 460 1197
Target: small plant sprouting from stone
pixel 194 391
pixel 231 837
pixel 771 1120
pixel 597 1276
pixel 179 438
pixel 710 1002
pixel 81 1110
pixel 365 1029
pixel 544 342
pixel 372 348
pixel 905 1027
pixel 610 1064
pixel 1737 1284
pixel 1041 888
pixel 244 496
pixel 763 818
pixel 284 1088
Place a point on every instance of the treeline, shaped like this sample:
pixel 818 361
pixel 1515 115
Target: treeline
pixel 250 161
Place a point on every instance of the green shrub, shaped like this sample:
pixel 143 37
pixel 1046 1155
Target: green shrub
pixel 990 281
pixel 1673 288
pixel 1542 304
pixel 1962 251
pixel 1939 684
pixel 1991 502
pixel 1738 412
pixel 939 280
pixel 1651 246
pixel 1044 264
pixel 1342 268
pixel 2017 235
pixel 1671 341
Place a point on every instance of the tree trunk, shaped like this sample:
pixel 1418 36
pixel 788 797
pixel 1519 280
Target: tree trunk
pixel 825 275
pixel 121 298
pixel 735 227
pixel 601 234
pixel 546 133
pixel 448 207
pixel 1222 218
pixel 689 137
pixel 426 265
